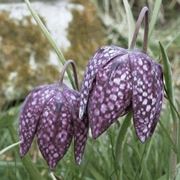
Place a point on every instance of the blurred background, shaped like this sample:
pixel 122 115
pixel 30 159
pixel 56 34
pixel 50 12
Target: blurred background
pixel 79 27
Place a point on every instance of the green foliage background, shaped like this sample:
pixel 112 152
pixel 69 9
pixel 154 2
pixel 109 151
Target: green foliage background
pixel 117 154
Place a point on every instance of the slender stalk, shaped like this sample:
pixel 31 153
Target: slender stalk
pixel 74 72
pixel 49 38
pixel 143 15
pixel 9 147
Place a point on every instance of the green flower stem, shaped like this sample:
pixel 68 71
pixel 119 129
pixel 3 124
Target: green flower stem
pixel 50 39
pixel 73 64
pixel 143 15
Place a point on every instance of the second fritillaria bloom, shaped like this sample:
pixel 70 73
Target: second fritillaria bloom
pixel 51 113
pixel 116 81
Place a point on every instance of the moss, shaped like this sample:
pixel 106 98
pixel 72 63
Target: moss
pixel 86 34
pixel 19 40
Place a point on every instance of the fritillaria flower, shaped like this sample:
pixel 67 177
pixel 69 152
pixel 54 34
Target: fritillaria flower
pixel 118 80
pixel 51 113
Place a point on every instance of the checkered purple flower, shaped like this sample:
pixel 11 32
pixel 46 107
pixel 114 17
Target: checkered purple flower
pixel 118 80
pixel 51 113
pixel 126 80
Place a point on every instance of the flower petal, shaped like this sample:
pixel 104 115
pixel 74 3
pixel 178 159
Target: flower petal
pixel 110 97
pixel 147 94
pixel 80 138
pixel 55 131
pixel 30 114
pixel 101 58
pixel 80 126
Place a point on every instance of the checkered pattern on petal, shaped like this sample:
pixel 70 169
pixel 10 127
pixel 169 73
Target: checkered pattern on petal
pixel 30 115
pixel 110 95
pixel 147 94
pixel 55 130
pixel 100 59
pixel 81 127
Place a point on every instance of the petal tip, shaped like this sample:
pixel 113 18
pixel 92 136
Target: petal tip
pixel 21 152
pixel 142 138
pixel 78 160
pixel 95 134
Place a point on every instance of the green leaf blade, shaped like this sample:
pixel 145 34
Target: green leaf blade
pixel 130 20
pixel 154 17
pixel 50 40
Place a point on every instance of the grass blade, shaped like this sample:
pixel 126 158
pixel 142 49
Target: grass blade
pixel 173 39
pixel 121 135
pixel 96 174
pixel 9 147
pixel 130 20
pixel 52 176
pixel 168 76
pixel 50 40
pixel 168 136
pixel 164 177
pixel 33 172
pixel 178 172
pixel 170 93
pixel 7 118
pixel 155 12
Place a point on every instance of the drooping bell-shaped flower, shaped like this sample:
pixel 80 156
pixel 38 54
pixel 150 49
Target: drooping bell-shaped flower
pixel 118 80
pixel 51 113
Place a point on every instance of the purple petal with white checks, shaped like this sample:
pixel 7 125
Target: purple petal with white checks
pixel 147 94
pixel 111 95
pixel 80 137
pixel 30 115
pixel 115 84
pixel 55 131
pixel 51 112
pixel 100 59
pixel 80 126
